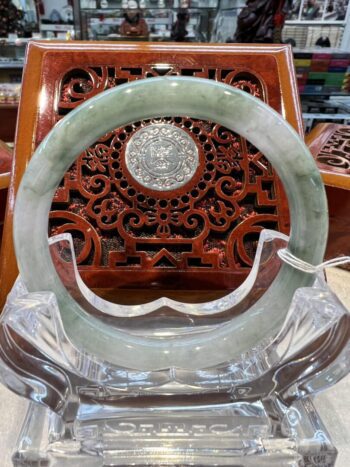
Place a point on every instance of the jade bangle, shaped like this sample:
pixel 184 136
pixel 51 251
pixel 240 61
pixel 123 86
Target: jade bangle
pixel 160 97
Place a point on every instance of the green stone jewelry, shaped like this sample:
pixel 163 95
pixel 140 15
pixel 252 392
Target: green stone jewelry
pixel 160 97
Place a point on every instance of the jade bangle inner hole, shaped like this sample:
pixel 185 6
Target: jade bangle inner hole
pixel 150 292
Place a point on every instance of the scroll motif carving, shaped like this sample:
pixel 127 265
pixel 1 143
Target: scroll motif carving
pixel 336 152
pixel 211 222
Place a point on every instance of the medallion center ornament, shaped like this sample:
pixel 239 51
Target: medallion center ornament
pixel 161 157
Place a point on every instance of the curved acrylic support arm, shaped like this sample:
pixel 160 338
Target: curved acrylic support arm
pixel 39 361
pixel 264 271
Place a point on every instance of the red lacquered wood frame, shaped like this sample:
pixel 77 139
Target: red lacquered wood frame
pixel 329 143
pixel 58 76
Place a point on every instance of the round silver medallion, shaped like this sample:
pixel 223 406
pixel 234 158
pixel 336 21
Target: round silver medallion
pixel 161 157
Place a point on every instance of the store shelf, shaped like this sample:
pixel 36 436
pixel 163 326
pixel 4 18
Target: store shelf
pixel 319 50
pixel 322 116
pixel 56 27
pixel 305 22
pixel 118 21
pixel 4 65
pixel 325 94
pixel 114 10
pixel 18 41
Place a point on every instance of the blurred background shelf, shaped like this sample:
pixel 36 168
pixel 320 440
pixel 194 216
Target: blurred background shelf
pixel 323 73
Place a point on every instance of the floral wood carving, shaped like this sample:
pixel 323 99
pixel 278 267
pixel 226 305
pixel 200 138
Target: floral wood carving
pixel 335 153
pixel 210 224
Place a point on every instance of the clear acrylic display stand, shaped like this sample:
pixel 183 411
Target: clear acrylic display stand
pixel 228 382
pixel 255 409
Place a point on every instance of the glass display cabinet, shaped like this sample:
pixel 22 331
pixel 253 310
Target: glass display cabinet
pixel 225 22
pixel 103 23
pixel 320 23
pixel 306 23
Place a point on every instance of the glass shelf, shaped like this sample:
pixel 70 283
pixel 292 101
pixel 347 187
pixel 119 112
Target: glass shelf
pixel 104 23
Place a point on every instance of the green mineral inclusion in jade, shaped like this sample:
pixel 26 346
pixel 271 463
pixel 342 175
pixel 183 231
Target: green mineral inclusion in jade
pixel 160 97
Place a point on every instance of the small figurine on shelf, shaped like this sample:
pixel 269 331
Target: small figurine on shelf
pixel 178 30
pixel 10 19
pixel 262 21
pixel 340 11
pixel 323 41
pixel 311 10
pixel 133 23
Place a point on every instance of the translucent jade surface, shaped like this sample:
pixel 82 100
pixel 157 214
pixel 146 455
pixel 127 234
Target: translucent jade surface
pixel 158 97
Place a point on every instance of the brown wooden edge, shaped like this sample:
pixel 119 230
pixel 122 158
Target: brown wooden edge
pixel 24 144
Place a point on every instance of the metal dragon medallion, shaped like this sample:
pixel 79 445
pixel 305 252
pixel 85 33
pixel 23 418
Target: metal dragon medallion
pixel 161 157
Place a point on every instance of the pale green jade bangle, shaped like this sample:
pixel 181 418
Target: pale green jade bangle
pixel 158 97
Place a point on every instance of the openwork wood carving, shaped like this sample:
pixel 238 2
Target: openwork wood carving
pixel 211 223
pixel 335 153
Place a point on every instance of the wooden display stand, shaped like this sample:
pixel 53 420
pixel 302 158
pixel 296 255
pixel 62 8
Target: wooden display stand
pixel 204 233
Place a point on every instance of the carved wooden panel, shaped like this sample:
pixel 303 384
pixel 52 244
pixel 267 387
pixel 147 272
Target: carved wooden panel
pixel 234 191
pixel 212 223
pixel 335 151
pixel 330 146
pixel 329 143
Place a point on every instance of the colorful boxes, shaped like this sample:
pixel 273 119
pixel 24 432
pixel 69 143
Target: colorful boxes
pixel 322 72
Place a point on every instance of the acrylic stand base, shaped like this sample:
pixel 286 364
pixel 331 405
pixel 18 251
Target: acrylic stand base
pixel 233 434
pixel 253 410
